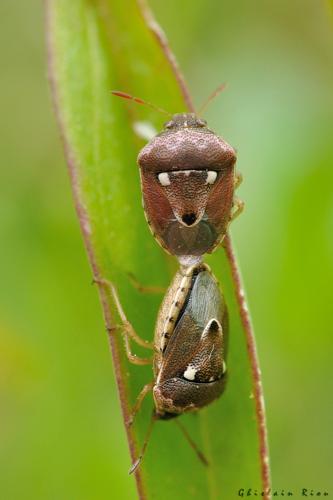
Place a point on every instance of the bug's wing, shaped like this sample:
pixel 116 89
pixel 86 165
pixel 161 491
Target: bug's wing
pixel 195 350
pixel 205 301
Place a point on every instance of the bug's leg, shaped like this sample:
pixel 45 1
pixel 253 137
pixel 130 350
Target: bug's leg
pixel 190 441
pixel 143 393
pixel 237 209
pixel 238 180
pixel 145 289
pixel 149 431
pixel 133 358
pixel 127 327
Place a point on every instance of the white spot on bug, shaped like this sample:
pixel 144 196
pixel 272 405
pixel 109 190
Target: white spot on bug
pixel 224 367
pixel 211 379
pixel 211 177
pixel 190 372
pixel 164 179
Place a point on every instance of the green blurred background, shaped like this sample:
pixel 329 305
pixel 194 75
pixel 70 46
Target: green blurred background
pixel 61 432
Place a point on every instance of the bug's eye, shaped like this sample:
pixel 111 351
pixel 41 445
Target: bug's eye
pixel 201 122
pixel 169 124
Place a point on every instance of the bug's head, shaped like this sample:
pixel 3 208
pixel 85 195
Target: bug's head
pixel 185 120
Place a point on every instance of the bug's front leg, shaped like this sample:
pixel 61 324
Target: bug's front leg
pixel 126 326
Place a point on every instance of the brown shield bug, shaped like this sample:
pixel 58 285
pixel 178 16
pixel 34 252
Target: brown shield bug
pixel 190 345
pixel 190 337
pixel 188 181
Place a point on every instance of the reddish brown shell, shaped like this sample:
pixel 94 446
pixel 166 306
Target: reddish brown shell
pixel 188 207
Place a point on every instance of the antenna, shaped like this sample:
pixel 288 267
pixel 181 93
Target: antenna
pixel 212 96
pixel 118 93
pixel 140 457
pixel 194 447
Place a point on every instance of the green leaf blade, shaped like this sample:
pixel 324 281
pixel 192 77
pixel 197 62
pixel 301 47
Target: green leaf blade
pixel 96 47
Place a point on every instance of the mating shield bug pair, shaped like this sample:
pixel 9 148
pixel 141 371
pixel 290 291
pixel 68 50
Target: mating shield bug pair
pixel 190 346
pixel 188 181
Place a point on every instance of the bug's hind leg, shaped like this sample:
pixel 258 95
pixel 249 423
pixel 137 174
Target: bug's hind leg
pixel 126 326
pixel 132 358
pixel 192 444
pixel 137 462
